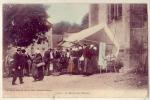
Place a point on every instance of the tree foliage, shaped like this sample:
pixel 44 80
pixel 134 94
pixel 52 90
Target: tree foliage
pixel 23 24
pixel 74 28
pixel 61 27
pixel 66 27
pixel 85 22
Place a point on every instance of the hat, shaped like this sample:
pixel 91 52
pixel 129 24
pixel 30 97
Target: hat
pixel 23 50
pixel 95 48
pixel 80 48
pixel 37 51
pixel 91 46
pixel 18 49
pixel 76 49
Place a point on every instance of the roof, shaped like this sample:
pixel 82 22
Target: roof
pixel 95 31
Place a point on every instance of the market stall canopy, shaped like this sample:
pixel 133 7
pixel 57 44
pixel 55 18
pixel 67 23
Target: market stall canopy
pixel 93 33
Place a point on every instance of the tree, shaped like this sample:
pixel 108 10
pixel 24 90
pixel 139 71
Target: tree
pixel 85 22
pixel 61 27
pixel 23 24
pixel 66 27
pixel 74 28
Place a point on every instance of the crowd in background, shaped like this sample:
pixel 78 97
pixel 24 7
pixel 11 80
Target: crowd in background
pixel 75 60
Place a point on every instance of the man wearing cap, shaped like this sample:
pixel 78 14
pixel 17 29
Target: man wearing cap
pixel 17 70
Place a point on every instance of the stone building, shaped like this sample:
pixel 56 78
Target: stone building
pixel 129 24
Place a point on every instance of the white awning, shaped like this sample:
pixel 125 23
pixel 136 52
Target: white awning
pixel 89 33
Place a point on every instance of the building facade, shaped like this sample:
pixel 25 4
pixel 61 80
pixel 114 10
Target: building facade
pixel 128 23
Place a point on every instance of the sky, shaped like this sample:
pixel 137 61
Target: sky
pixel 72 13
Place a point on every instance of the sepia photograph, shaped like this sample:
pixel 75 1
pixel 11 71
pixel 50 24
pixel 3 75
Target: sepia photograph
pixel 75 50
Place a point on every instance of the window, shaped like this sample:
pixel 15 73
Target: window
pixel 114 12
pixel 110 13
pixel 138 15
pixel 119 10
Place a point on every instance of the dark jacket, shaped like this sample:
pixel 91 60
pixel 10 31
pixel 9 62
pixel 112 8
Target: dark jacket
pixel 46 56
pixel 63 61
pixel 87 53
pixel 56 55
pixel 80 53
pixel 24 58
pixel 17 60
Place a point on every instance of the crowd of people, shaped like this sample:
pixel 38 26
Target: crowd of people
pixel 75 60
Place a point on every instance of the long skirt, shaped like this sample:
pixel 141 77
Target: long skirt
pixel 70 66
pixel 94 64
pixel 40 73
pixel 37 72
pixel 88 67
pixel 55 65
pixel 34 71
pixel 76 70
pixel 46 69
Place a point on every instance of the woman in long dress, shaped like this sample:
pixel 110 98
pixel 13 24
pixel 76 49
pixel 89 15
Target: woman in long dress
pixel 70 66
pixel 37 71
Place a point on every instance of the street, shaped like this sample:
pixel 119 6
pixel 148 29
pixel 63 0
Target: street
pixel 118 84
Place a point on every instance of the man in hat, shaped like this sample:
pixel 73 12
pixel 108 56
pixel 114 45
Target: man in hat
pixel 47 58
pixel 17 68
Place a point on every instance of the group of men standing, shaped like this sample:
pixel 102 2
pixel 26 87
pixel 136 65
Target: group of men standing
pixel 75 60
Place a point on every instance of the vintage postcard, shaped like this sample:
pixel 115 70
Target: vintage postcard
pixel 75 50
